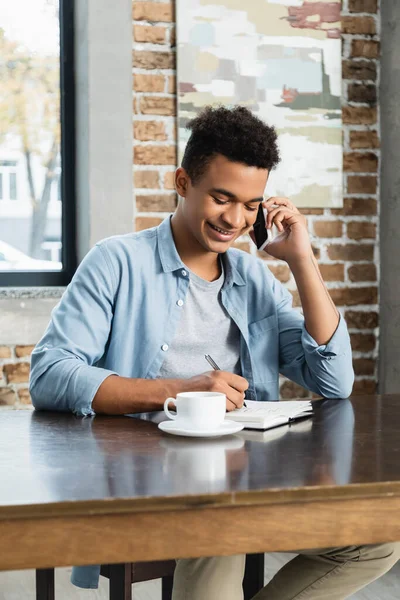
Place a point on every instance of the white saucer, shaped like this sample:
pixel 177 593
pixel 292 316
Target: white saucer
pixel 226 428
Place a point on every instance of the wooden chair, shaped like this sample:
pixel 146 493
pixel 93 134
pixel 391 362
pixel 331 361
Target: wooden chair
pixel 122 576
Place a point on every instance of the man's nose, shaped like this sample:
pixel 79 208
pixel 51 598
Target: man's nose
pixel 234 216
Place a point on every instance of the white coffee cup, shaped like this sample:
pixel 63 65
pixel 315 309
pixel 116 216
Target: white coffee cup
pixel 198 410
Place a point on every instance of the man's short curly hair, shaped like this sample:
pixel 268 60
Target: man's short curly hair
pixel 235 133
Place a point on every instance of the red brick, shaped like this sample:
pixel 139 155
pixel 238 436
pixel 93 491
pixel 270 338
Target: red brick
pixel 316 251
pixel 364 366
pixel 5 352
pixel 264 255
pixel 360 162
pixel 354 296
pixel 362 272
pixel 334 272
pixel 21 351
pixel 365 49
pixel 359 230
pixel 359 115
pixel 360 92
pixel 24 396
pixel 148 83
pixel 364 139
pixel 172 37
pixel 363 6
pixel 158 105
pixel 351 252
pixel 281 272
pixel 149 33
pixel 296 297
pixel 358 25
pixel 150 59
pixel 155 155
pixel 7 397
pixel 364 387
pixel 290 390
pixel 361 319
pixel 153 11
pixel 362 342
pixel 146 179
pixel 244 246
pixel 147 222
pixel 328 229
pixel 17 373
pixel 146 131
pixel 362 184
pixel 357 206
pixel 311 211
pixel 172 84
pixel 156 202
pixel 358 69
pixel 169 180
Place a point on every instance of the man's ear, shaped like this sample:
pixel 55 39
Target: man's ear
pixel 181 181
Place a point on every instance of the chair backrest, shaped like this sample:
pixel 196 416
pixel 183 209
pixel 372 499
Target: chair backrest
pixel 145 571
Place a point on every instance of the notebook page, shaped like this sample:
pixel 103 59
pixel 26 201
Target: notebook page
pixel 265 411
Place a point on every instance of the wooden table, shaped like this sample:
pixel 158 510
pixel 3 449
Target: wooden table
pixel 116 489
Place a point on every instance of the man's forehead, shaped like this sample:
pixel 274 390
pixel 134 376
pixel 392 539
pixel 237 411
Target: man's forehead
pixel 238 179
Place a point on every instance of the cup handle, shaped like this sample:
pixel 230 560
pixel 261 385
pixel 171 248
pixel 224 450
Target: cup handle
pixel 169 415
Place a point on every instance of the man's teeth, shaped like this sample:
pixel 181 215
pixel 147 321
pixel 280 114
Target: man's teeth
pixel 221 230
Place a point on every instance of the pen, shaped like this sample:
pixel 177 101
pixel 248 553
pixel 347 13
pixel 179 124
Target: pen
pixel 214 365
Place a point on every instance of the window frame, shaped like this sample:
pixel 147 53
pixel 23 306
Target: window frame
pixel 68 161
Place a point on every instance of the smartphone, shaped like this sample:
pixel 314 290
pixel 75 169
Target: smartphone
pixel 260 231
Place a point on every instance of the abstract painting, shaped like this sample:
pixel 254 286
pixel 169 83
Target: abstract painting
pixel 281 59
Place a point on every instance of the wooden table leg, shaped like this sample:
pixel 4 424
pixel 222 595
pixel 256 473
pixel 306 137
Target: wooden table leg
pixel 120 581
pixel 253 579
pixel 44 584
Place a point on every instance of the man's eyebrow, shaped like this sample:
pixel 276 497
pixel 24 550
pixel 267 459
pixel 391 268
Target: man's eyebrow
pixel 231 195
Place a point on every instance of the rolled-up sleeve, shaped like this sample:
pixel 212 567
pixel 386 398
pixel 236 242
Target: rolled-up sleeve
pixel 64 375
pixel 324 369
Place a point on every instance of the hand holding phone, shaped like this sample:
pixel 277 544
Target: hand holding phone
pixel 260 230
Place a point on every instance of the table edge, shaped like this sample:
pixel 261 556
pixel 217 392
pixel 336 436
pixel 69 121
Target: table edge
pixel 271 496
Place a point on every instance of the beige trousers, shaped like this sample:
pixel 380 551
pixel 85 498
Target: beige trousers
pixel 322 574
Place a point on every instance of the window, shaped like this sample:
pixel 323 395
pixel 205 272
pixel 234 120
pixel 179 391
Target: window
pixel 37 145
pixel 8 179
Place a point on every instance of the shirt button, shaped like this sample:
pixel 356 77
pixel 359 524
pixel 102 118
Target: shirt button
pixel 180 303
pixel 164 347
pixel 184 273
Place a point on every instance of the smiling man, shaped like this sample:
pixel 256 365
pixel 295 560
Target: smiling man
pixel 143 309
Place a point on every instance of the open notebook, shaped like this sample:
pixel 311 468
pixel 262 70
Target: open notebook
pixel 265 415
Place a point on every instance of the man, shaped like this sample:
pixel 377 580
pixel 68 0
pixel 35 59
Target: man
pixel 143 309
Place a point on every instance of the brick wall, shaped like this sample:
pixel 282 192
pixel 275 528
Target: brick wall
pixel 345 240
pixel 14 375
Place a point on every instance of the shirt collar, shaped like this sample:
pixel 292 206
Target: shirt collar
pixel 169 257
pixel 171 261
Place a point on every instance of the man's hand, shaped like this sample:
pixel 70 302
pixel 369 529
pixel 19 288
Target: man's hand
pixel 233 386
pixel 293 245
pixel 292 242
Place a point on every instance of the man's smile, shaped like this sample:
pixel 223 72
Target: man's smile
pixel 223 234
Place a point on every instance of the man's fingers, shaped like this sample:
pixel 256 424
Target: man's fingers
pixel 273 214
pixel 280 202
pixel 236 381
pixel 232 404
pixel 281 217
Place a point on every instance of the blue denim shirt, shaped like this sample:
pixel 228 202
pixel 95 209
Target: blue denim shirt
pixel 120 313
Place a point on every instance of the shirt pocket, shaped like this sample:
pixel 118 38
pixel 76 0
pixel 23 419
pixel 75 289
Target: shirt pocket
pixel 264 349
pixel 259 327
